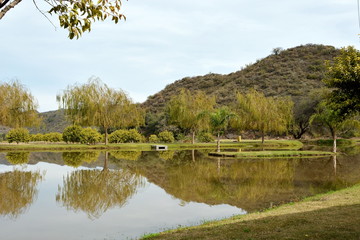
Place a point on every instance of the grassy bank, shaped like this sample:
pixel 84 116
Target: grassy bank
pixel 292 144
pixel 271 154
pixel 333 215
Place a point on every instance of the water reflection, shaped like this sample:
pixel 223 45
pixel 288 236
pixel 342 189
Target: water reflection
pixel 18 191
pixel 249 184
pixel 126 155
pixel 132 187
pixel 76 159
pixel 16 158
pixel 94 191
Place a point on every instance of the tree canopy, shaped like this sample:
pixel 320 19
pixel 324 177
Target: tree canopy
pixel 264 114
pixel 187 110
pixel 18 106
pixel 344 77
pixel 96 104
pixel 75 16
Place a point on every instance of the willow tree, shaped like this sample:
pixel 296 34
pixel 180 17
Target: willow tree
pixel 96 104
pixel 263 114
pixel 17 106
pixel 188 110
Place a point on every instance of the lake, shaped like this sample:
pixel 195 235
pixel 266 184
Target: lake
pixel 125 194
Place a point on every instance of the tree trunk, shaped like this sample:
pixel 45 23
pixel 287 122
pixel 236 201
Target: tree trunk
pixel 218 143
pixel 106 137
pixel 193 155
pixel 334 142
pixel 105 161
pixel 262 137
pixel 193 137
pixel 334 163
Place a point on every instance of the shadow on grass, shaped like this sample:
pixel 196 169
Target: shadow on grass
pixel 341 222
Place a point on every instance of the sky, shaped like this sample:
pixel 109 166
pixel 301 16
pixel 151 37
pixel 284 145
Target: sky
pixel 163 41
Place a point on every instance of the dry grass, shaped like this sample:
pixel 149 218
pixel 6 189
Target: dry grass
pixel 328 216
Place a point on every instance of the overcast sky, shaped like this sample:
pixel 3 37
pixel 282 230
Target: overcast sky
pixel 163 41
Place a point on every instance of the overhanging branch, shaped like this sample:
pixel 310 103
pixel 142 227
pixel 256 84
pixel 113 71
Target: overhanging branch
pixel 6 6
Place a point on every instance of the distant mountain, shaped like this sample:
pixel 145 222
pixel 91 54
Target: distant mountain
pixel 292 72
pixel 53 121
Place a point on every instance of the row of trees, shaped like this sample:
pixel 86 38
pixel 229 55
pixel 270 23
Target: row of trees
pixel 94 104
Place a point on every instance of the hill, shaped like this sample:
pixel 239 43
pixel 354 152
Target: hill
pixel 293 72
pixel 53 121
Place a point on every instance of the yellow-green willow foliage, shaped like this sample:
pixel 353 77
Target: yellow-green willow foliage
pixel 17 106
pixel 126 155
pixel 96 104
pixel 95 191
pixel 18 191
pixel 76 159
pixel 263 114
pixel 188 110
pixel 16 158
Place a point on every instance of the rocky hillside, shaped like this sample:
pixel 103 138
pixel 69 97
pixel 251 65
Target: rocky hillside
pixel 292 72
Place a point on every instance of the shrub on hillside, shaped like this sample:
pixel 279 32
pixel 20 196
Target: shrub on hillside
pixel 166 137
pixel 18 135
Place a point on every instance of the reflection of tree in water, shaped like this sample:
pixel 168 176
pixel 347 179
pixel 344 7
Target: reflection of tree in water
pixel 17 157
pixel 126 155
pixel 244 184
pixel 18 191
pixel 96 191
pixel 249 184
pixel 76 159
pixel 166 155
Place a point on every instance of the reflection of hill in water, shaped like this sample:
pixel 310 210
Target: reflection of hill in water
pixel 248 184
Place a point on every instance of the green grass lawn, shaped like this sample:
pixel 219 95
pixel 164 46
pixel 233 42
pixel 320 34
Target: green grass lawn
pixel 333 215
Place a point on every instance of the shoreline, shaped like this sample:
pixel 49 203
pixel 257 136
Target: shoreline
pixel 332 215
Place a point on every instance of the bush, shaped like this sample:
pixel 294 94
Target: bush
pixel 18 135
pixel 166 137
pixel 153 139
pixel 72 134
pixel 37 137
pixel 53 137
pixel 206 137
pixel 125 136
pixel 90 136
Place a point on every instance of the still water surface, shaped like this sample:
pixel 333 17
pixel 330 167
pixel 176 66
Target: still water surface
pixel 123 194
